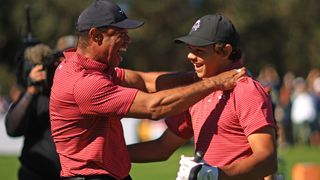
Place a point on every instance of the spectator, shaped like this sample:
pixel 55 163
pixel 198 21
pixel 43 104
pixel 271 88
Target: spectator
pixel 283 110
pixel 303 112
pixel 28 116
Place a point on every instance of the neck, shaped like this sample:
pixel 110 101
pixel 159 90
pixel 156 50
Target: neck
pixel 90 53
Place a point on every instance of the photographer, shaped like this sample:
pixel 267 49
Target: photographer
pixel 29 115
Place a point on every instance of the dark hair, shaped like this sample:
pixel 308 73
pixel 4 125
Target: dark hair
pixel 235 54
pixel 84 36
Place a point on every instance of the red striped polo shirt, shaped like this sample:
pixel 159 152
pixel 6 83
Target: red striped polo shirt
pixel 86 105
pixel 221 122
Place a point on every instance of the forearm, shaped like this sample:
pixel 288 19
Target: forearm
pixel 147 152
pixel 156 81
pixel 15 119
pixel 167 102
pixel 170 80
pixel 254 167
pixel 173 101
pixel 157 150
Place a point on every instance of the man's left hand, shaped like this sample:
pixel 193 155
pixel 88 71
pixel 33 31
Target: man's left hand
pixel 191 170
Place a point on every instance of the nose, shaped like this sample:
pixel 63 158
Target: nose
pixel 192 57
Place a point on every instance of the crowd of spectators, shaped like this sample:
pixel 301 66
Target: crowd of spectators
pixel 296 101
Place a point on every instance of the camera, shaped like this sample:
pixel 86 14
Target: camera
pixel 39 54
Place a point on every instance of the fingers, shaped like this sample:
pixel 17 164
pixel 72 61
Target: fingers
pixel 241 71
pixel 37 73
pixel 186 164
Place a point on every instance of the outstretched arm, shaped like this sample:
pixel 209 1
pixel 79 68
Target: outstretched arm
pixel 156 81
pixel 176 100
pixel 156 150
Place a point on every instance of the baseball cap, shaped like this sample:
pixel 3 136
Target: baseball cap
pixel 210 29
pixel 102 13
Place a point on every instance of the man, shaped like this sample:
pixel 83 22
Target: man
pixel 28 116
pixel 90 94
pixel 234 129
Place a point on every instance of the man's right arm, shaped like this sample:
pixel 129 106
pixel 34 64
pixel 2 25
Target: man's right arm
pixel 173 101
pixel 156 150
pixel 155 81
pixel 15 119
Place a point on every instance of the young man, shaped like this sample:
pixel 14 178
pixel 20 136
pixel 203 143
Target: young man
pixel 234 129
pixel 90 95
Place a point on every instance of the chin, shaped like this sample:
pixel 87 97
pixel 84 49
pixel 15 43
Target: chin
pixel 200 75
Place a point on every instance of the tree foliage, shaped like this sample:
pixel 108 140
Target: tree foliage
pixel 281 33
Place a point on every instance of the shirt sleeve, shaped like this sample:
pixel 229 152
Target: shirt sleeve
pixel 181 125
pixel 253 106
pixel 99 95
pixel 118 75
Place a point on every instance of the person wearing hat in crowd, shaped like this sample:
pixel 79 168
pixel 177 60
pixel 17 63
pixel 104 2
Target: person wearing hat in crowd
pixel 28 116
pixel 234 130
pixel 90 94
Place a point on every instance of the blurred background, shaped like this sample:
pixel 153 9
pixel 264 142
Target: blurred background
pixel 280 40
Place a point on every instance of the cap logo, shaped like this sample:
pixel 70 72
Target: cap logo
pixel 196 26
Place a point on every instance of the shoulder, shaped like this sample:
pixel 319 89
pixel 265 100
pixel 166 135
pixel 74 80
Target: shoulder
pixel 94 80
pixel 248 86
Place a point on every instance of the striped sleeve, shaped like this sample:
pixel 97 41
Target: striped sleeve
pixel 180 125
pixel 253 106
pixel 98 95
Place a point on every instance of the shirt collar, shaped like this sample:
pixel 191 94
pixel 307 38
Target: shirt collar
pixel 87 63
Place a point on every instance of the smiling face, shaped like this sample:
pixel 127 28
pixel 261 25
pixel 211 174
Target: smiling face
pixel 207 61
pixel 109 43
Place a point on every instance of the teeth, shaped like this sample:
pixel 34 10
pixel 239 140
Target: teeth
pixel 123 49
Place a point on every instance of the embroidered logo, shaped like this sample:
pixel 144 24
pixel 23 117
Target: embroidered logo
pixel 196 26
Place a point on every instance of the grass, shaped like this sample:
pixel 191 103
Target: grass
pixel 160 170
pixel 167 170
pixel 9 166
pixel 299 154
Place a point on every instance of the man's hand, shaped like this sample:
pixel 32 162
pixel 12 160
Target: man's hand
pixel 190 170
pixel 208 172
pixel 228 80
pixel 36 75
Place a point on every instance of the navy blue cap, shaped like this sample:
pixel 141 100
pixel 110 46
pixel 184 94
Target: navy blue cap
pixel 210 29
pixel 103 13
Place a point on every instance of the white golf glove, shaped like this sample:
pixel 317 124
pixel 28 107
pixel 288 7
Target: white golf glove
pixel 191 170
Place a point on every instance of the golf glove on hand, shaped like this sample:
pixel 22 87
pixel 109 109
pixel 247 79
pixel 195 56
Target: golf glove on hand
pixel 191 170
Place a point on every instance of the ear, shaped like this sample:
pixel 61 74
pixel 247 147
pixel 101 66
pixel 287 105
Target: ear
pixel 227 50
pixel 95 35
